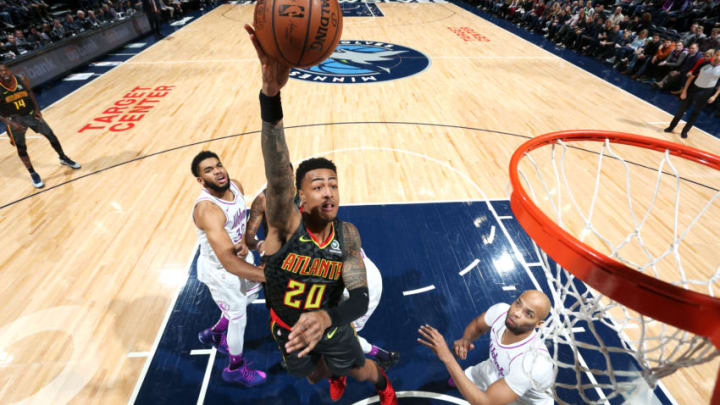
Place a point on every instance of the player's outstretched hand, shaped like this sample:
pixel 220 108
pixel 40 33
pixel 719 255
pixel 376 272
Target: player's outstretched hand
pixel 275 74
pixel 307 332
pixel 435 341
pixel 461 347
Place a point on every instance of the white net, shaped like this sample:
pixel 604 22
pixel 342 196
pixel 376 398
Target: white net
pixel 646 213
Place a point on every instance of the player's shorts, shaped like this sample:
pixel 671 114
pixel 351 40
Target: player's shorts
pixel 231 293
pixel 339 348
pixel 37 125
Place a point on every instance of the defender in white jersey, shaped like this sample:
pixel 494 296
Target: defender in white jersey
pixel 519 369
pixel 384 358
pixel 224 264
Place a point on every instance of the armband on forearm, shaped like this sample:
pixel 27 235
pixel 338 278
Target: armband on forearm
pixel 350 309
pixel 270 108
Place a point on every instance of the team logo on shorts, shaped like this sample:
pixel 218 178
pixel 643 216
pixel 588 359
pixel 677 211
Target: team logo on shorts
pixel 365 62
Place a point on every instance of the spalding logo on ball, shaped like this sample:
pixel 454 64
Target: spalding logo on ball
pixel 300 33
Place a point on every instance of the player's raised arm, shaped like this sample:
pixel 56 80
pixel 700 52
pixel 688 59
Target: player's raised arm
pixel 281 214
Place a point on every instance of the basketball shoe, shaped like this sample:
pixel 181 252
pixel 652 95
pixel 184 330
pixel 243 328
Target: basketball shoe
pixel 64 160
pixel 387 396
pixel 36 180
pixel 337 387
pixel 244 375
pixel 217 339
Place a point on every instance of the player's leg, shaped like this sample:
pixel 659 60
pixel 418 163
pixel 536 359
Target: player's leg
pixel 16 131
pixel 344 356
pixel 234 339
pixel 298 366
pixel 225 290
pixel 209 274
pixel 320 372
pixel 385 358
pixel 699 101
pixel 214 334
pixel 41 127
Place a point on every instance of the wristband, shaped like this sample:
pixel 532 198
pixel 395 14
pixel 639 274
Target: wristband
pixel 270 108
pixel 351 309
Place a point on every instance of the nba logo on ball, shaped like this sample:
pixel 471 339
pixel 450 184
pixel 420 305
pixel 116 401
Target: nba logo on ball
pixel 299 33
pixel 365 62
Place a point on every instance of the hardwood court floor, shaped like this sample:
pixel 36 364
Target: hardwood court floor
pixel 90 267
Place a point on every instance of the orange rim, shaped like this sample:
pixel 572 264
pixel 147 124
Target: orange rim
pixel 687 310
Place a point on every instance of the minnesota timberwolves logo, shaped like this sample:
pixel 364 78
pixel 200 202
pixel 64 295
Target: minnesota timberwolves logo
pixel 365 62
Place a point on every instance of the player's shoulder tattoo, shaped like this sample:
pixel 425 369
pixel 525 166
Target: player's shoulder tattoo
pixel 354 274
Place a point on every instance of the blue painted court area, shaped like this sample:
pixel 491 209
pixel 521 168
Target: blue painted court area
pixel 416 246
pixel 361 10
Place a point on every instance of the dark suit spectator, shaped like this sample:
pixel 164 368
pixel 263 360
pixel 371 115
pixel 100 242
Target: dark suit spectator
pixel 110 13
pixel 675 79
pixel 82 20
pixel 15 47
pixel 71 27
pixel 672 62
pixel 37 38
pixel 606 46
pixel 690 36
pixel 711 42
pixel 57 31
pixel 557 22
pixel 92 19
pixel 152 10
pixel 590 34
pixel 24 42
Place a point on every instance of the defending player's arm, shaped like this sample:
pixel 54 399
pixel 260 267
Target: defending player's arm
pixel 498 393
pixel 476 328
pixel 308 330
pixel 211 219
pixel 280 211
pixel 257 210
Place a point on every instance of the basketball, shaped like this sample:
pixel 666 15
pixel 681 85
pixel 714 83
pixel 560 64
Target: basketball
pixel 300 33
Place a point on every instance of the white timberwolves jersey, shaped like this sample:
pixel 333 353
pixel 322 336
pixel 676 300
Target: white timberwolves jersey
pixel 209 266
pixel 526 366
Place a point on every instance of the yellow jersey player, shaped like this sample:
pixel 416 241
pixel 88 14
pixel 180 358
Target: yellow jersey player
pixel 19 111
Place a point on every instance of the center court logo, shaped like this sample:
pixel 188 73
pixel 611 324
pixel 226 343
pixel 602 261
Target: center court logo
pixel 365 62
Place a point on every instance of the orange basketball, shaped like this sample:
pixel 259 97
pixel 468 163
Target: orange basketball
pixel 300 33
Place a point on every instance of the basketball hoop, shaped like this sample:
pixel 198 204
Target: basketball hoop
pixel 617 275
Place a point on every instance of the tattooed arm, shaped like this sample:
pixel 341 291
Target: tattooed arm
pixel 353 274
pixel 257 210
pixel 282 215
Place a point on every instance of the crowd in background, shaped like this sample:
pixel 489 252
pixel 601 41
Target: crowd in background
pixel 654 41
pixel 31 25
